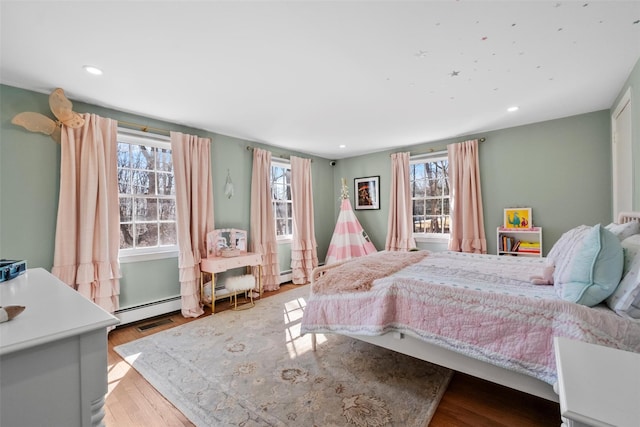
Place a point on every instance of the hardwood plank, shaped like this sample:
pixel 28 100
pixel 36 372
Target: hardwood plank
pixel 468 401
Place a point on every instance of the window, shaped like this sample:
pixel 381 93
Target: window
pixel 281 199
pixel 429 179
pixel 147 194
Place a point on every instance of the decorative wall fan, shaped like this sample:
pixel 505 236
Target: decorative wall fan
pixel 61 107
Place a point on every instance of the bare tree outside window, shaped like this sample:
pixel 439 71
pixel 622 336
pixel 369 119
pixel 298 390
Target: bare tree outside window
pixel 429 181
pixel 281 199
pixel 147 195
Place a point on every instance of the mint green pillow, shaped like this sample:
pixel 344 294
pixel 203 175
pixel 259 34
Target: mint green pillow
pixel 595 268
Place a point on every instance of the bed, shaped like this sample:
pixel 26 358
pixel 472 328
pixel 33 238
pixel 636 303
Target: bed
pixel 481 314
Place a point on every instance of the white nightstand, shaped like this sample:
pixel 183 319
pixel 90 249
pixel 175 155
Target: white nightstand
pixel 598 386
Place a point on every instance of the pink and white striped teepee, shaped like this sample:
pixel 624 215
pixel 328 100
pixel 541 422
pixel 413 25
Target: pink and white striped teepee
pixel 349 238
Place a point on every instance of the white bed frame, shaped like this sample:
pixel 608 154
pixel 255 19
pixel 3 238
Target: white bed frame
pixel 415 347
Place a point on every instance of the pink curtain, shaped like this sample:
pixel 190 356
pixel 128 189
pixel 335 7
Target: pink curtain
pixel 88 224
pixel 467 220
pixel 263 227
pixel 400 228
pixel 194 213
pixel 304 255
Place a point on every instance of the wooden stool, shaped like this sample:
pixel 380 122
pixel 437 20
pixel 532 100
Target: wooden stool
pixel 239 284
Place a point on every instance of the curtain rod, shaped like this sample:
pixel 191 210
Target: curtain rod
pixel 283 156
pixel 143 128
pixel 433 150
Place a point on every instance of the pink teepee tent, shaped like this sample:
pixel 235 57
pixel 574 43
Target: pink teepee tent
pixel 349 238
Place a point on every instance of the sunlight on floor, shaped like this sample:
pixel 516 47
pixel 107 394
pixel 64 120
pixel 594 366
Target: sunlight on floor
pixel 117 372
pixel 296 345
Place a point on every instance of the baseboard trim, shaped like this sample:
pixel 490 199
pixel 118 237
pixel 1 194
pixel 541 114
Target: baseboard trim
pixel 146 311
pixel 284 278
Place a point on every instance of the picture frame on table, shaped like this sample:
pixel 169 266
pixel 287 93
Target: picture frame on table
pixel 367 193
pixel 518 218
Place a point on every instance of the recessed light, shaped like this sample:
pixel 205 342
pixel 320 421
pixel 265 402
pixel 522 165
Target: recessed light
pixel 93 70
pixel 512 109
pixel 342 146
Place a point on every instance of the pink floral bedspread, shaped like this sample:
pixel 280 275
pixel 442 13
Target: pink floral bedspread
pixel 483 306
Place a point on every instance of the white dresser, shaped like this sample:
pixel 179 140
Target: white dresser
pixel 53 356
pixel 598 386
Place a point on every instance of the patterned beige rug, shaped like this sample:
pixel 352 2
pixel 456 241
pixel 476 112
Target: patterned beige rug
pixel 252 368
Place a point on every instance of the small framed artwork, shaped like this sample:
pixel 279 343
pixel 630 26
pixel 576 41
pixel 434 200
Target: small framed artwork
pixel 367 192
pixel 518 218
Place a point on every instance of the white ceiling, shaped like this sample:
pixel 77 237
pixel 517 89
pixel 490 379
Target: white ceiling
pixel 311 75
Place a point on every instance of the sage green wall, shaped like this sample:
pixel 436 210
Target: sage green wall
pixel 560 168
pixel 29 178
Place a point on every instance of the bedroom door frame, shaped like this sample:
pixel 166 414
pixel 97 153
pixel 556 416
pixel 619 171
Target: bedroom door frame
pixel 621 156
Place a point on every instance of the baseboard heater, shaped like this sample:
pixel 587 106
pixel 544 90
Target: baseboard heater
pixel 169 305
pixel 149 310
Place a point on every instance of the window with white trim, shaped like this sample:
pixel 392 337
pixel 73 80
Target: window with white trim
pixel 147 194
pixel 281 198
pixel 429 180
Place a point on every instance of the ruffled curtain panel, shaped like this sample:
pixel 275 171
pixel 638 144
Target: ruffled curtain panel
pixel 400 226
pixel 263 228
pixel 88 224
pixel 467 219
pixel 194 213
pixel 304 254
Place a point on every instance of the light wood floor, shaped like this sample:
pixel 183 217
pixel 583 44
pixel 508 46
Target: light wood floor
pixel 132 401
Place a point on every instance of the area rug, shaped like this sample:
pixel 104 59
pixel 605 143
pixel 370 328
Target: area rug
pixel 252 368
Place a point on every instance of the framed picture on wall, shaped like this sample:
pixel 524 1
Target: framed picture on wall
pixel 518 218
pixel 367 192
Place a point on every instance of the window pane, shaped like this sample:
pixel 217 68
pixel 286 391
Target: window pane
pixel 289 227
pixel 167 210
pixel 124 181
pixel 124 159
pixel 143 157
pixel 417 171
pixel 419 224
pixel 126 236
pixel 146 209
pixel 126 209
pixel 168 235
pixel 166 185
pixel 164 160
pixel 147 235
pixel 433 206
pixel 434 187
pixel 418 207
pixel 140 182
pixel 418 188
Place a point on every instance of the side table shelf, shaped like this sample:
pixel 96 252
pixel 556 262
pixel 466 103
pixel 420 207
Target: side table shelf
pixel 213 265
pixel 523 241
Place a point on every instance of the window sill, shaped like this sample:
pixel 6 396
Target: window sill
pixel 285 241
pixel 149 256
pixel 439 238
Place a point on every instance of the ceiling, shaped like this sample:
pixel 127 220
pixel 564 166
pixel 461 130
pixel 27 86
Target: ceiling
pixel 313 75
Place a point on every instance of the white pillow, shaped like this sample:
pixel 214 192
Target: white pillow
pixel 626 298
pixel 594 270
pixel 563 249
pixel 622 231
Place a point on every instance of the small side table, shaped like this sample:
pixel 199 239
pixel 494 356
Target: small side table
pixel 598 386
pixel 213 265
